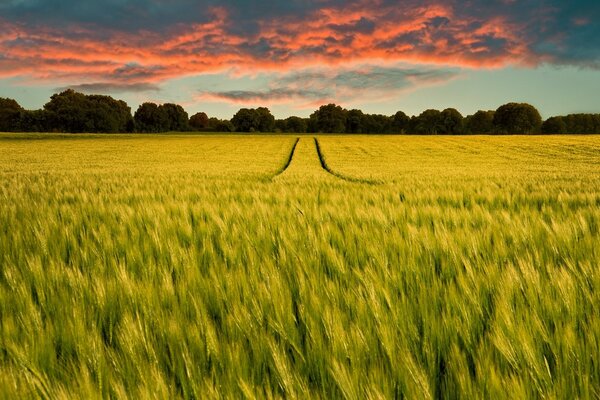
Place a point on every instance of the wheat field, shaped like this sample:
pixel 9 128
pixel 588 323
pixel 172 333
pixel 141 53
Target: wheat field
pixel 355 267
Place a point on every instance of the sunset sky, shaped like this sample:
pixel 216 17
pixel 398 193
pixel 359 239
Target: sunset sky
pixel 292 56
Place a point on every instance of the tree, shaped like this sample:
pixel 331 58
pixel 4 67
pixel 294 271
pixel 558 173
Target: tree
pixel 280 126
pixel 482 122
pixel 220 125
pixel 167 117
pixel 582 123
pixel 266 120
pixel 296 125
pixel 70 111
pixel 451 122
pixel 224 126
pixel 254 119
pixel 354 121
pixel 400 123
pixel 67 112
pixel 176 119
pixel 517 118
pixel 554 125
pixel 10 112
pixel 107 115
pixel 329 119
pixel 150 118
pixel 212 124
pixel 34 121
pixel 427 123
pixel 376 123
pixel 245 120
pixel 199 121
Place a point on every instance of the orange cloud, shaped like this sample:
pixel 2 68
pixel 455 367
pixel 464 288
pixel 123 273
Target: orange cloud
pixel 366 31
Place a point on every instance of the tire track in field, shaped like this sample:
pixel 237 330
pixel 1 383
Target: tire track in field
pixel 338 175
pixel 288 161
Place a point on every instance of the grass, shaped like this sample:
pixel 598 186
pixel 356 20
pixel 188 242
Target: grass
pixel 213 267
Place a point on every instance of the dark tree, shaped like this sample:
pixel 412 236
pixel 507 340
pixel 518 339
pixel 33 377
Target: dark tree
pixel 220 125
pixel 482 123
pixel 254 120
pixel 70 111
pixel 150 118
pixel 176 117
pixel 10 113
pixel 582 123
pixel 212 124
pixel 224 126
pixel 199 121
pixel 75 112
pixel 400 123
pixel 429 122
pixel 67 112
pixel 280 126
pixel 329 119
pixel 296 125
pixel 266 120
pixel 168 117
pixel 517 118
pixel 245 120
pixel 108 115
pixel 554 125
pixel 354 121
pixel 34 121
pixel 376 123
pixel 451 122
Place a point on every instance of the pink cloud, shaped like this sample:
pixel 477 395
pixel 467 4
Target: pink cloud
pixel 363 32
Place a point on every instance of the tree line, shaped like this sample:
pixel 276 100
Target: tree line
pixel 73 112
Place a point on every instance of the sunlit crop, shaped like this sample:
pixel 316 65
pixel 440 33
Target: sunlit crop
pixel 230 267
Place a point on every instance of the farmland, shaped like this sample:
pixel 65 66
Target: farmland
pixel 157 266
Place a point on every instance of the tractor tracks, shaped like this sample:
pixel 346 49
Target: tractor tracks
pixel 288 161
pixel 338 175
pixel 311 164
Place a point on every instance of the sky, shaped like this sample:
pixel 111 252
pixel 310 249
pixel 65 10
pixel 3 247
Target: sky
pixel 292 56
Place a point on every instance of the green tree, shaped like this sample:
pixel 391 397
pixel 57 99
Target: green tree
pixel 400 123
pixel 254 120
pixel 10 112
pixel 266 120
pixel 34 121
pixel 376 124
pixel 67 112
pixel 280 125
pixel 199 121
pixel 451 122
pixel 554 125
pixel 224 126
pixel 354 121
pixel 107 115
pixel 329 118
pixel 482 122
pixel 220 125
pixel 70 111
pixel 429 122
pixel 517 118
pixel 245 120
pixel 150 118
pixel 582 123
pixel 175 116
pixel 296 125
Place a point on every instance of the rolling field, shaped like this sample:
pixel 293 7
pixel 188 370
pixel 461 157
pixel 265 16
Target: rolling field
pixel 356 267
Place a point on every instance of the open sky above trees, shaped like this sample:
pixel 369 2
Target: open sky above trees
pixel 291 56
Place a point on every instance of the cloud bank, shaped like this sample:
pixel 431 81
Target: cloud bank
pixel 313 87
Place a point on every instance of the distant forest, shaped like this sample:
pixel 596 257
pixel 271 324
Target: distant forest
pixel 73 112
